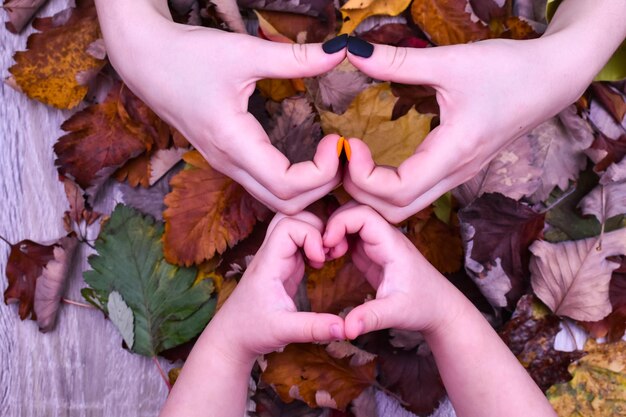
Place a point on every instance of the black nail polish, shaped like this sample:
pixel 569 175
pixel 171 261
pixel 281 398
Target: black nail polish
pixel 335 44
pixel 359 47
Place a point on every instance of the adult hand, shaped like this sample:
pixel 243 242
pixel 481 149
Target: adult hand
pixel 409 290
pixel 489 93
pixel 199 81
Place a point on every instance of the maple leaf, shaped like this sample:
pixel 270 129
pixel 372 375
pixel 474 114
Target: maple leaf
pixel 62 59
pixel 20 12
pixel 497 232
pixel 530 335
pixel 598 386
pixel 206 213
pixel 24 266
pixel 572 278
pixel 294 131
pixel 353 12
pixel 369 118
pixel 338 285
pixel 52 282
pixel 309 373
pixel 169 308
pixel 105 136
pixel 411 374
pixel 336 89
pixel 448 22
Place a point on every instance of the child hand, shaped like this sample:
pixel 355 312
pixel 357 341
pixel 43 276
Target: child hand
pixel 410 291
pixel 260 316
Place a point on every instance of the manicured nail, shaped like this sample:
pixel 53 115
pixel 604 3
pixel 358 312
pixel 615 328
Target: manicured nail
pixel 359 47
pixel 335 331
pixel 335 44
pixel 344 152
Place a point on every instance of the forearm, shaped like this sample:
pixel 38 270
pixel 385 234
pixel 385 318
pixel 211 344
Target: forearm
pixel 213 382
pixel 481 375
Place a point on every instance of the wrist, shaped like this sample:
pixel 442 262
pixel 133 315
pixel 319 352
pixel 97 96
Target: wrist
pixel 217 339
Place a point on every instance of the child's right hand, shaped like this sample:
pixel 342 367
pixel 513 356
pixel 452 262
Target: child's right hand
pixel 411 293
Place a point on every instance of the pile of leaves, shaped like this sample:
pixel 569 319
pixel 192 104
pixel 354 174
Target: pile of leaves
pixel 537 240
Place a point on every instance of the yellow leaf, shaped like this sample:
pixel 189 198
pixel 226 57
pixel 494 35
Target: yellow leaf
pixel 448 22
pixel 276 90
pixel 598 386
pixel 356 11
pixel 61 59
pixel 369 118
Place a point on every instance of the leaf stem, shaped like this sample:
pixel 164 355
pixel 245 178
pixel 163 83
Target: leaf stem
pixel 5 241
pixel 162 373
pixel 559 200
pixel 77 303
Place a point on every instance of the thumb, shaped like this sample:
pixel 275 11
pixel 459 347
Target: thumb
pixel 284 60
pixel 310 327
pixel 403 65
pixel 373 315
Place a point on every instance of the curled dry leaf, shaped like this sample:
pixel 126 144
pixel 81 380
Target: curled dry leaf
pixel 449 22
pixel 206 213
pixel 58 65
pixel 52 283
pixel 353 12
pixel 20 12
pixel 309 373
pixel 572 278
pixel 608 199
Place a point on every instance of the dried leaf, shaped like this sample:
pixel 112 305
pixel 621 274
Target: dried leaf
pixel 148 200
pixel 57 66
pixel 369 118
pixel 608 199
pixel 598 386
pixel 338 285
pixel 439 242
pixel 309 373
pixel 162 161
pixel 395 34
pixel 269 404
pixel 572 278
pixel 307 7
pixel 337 89
pixel 122 317
pixel 612 100
pixel 169 308
pixel 608 151
pixel 276 90
pixel 497 232
pixel 206 213
pixel 448 22
pixel 20 12
pixel 52 283
pixel 353 12
pixel 530 334
pixel 296 28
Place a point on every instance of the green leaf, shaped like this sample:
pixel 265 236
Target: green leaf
pixel 168 306
pixel 122 316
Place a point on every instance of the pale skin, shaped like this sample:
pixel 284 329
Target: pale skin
pixel 482 377
pixel 490 93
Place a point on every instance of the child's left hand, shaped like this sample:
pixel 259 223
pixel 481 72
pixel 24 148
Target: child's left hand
pixel 260 316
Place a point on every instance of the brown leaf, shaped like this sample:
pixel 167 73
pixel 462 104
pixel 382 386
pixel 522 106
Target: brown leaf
pixel 614 150
pixel 52 282
pixel 572 278
pixel 24 266
pixel 421 97
pixel 136 171
pixel 336 89
pixel 58 65
pixel 276 90
pixel 395 34
pixel 353 12
pixel 309 373
pixel 20 12
pixel 269 404
pixel 206 213
pixel 530 335
pixel 338 285
pixel 447 22
pixel 612 100
pixel 296 27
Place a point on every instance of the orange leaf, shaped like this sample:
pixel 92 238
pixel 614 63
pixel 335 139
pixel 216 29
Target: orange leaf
pixel 207 212
pixel 105 136
pixel 309 373
pixel 440 243
pixel 339 284
pixel 62 59
pixel 447 22
pixel 136 171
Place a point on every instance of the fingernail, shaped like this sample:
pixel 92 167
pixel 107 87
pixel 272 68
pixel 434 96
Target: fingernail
pixel 335 44
pixel 340 145
pixel 359 47
pixel 335 331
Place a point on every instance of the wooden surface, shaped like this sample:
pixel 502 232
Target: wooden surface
pixel 80 368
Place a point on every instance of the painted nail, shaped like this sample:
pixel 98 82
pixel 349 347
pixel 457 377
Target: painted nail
pixel 344 152
pixel 335 44
pixel 359 47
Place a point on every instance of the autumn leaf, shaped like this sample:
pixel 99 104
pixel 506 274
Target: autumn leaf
pixel 421 97
pixel 530 335
pixel 487 10
pixel 296 28
pixel 52 283
pixel 395 34
pixel 20 12
pixel 309 373
pixel 611 151
pixel 572 278
pixel 105 136
pixel 439 242
pixel 497 232
pixel 353 12
pixel 206 213
pixel 306 7
pixel 598 386
pixel 269 404
pixel 62 59
pixel 276 90
pixel 336 89
pixel 612 100
pixel 608 199
pixel 168 308
pixel 336 286
pixel 369 118
pixel 448 22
